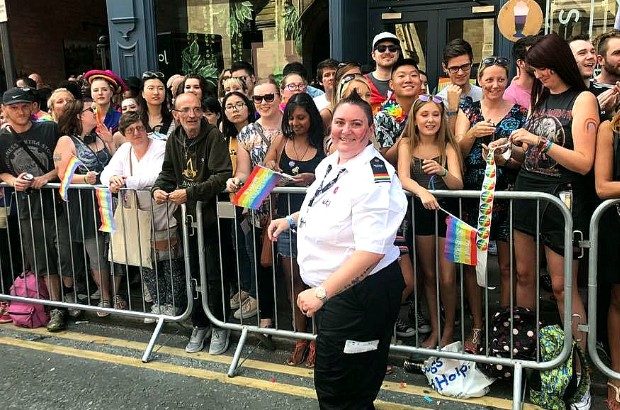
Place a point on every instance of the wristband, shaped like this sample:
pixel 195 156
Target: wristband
pixel 291 222
pixel 452 113
pixel 547 146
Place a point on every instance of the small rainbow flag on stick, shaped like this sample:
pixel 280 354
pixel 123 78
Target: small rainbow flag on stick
pixel 104 197
pixel 74 162
pixel 258 186
pixel 460 244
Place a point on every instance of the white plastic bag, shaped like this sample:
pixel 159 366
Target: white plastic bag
pixel 456 378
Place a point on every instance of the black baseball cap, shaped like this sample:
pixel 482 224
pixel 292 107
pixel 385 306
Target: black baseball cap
pixel 17 95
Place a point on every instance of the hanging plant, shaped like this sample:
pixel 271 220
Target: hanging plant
pixel 195 63
pixel 240 15
pixel 292 25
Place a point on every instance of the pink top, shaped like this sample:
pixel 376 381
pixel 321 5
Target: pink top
pixel 517 95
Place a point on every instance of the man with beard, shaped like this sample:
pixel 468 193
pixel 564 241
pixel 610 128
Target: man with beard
pixel 606 86
pixel 520 88
pixel 385 52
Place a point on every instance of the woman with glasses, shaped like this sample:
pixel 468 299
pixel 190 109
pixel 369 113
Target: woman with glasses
pixel 296 153
pixel 429 158
pixel 292 84
pixel 480 123
pixel 135 166
pixel 607 177
pixel 154 107
pixel 559 142
pixel 254 141
pixel 77 124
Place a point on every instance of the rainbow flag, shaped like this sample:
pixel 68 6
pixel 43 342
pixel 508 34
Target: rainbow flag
pixel 258 186
pixel 74 162
pixel 104 198
pixel 460 244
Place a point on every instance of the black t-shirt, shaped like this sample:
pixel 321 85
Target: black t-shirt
pixel 41 139
pixel 598 89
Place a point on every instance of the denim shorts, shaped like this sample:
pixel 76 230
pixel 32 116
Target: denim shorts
pixel 287 244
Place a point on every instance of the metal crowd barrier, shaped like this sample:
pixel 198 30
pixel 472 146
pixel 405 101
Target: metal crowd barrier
pixel 70 257
pixel 246 326
pixel 593 288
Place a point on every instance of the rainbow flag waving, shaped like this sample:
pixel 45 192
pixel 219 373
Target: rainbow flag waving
pixel 104 198
pixel 258 186
pixel 460 244
pixel 74 162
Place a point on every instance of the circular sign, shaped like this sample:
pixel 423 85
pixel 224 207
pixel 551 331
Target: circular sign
pixel 520 18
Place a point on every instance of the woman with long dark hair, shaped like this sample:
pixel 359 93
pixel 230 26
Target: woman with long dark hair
pixel 559 141
pixel 154 108
pixel 296 153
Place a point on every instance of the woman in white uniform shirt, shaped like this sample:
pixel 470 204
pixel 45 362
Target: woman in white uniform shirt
pixel 346 254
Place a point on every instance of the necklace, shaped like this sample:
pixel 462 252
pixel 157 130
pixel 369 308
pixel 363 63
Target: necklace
pixel 293 163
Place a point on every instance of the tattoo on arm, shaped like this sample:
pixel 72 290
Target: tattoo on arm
pixel 357 279
pixel 591 125
pixel 57 157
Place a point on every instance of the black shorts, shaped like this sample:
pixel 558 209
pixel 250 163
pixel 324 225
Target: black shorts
pixel 428 222
pixel 608 255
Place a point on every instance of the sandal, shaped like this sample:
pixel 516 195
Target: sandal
pixel 299 353
pixel 471 345
pixel 615 404
pixel 103 304
pixel 311 355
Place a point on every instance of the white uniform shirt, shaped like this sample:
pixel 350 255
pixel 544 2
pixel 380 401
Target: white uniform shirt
pixel 360 211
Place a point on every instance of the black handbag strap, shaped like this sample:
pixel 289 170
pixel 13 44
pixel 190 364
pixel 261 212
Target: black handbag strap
pixel 25 148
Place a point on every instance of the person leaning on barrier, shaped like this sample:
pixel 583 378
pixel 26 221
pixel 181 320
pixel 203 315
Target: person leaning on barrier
pixel 607 179
pixel 135 166
pixel 26 151
pixel 346 254
pixel 196 167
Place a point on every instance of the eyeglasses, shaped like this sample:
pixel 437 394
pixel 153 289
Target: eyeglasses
pixel 464 68
pixel 346 79
pixel 91 109
pixel 187 110
pixel 138 129
pixel 152 74
pixel 389 47
pixel 296 87
pixel 428 97
pixel 238 106
pixel 501 61
pixel 268 98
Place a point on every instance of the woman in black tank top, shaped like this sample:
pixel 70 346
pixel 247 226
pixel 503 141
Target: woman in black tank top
pixel 296 153
pixel 559 141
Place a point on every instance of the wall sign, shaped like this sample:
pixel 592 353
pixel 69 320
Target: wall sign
pixel 520 18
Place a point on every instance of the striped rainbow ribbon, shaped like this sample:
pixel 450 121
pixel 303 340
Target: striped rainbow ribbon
pixel 73 164
pixel 485 216
pixel 106 212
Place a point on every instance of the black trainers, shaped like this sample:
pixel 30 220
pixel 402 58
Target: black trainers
pixel 404 329
pixel 57 321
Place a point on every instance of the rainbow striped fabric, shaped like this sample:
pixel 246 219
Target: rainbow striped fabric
pixel 257 187
pixel 74 162
pixel 106 212
pixel 460 246
pixel 485 217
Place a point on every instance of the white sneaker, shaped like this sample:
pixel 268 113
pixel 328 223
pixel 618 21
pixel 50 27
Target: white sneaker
pixel 197 339
pixel 237 299
pixel 219 341
pixel 147 294
pixel 248 309
pixel 96 295
pixel 154 309
pixel 169 310
pixel 584 403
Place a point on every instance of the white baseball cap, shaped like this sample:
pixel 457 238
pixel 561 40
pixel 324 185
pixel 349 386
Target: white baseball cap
pixel 386 35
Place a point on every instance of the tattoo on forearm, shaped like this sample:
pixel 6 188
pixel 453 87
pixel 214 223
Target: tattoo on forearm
pixel 358 278
pixel 57 157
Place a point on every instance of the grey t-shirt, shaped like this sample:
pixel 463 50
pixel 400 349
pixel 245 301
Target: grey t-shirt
pixel 382 85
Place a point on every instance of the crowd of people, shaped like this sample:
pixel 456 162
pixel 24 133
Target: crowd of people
pixel 185 139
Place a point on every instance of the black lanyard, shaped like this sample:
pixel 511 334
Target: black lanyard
pixel 330 184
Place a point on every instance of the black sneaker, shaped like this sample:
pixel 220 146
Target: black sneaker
pixel 404 329
pixel 419 321
pixel 57 321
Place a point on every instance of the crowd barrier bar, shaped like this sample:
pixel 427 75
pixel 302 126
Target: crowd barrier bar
pixel 86 275
pixel 518 365
pixel 593 286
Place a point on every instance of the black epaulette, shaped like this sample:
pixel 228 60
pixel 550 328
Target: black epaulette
pixel 379 170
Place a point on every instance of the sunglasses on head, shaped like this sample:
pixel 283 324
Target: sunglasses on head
pixel 267 98
pixel 390 47
pixel 428 97
pixel 495 61
pixel 152 74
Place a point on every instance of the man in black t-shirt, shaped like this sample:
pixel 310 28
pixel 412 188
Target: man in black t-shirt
pixel 26 163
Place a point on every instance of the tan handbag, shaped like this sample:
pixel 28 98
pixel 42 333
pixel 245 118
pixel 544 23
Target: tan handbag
pixel 130 244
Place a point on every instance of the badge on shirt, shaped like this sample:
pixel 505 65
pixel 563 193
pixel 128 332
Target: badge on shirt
pixel 379 171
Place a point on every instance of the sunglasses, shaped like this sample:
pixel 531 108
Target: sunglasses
pixel 389 47
pixel 152 74
pixel 267 98
pixel 501 61
pixel 91 109
pixel 428 97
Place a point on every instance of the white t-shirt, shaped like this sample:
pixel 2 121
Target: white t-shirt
pixel 361 210
pixel 321 102
pixel 475 93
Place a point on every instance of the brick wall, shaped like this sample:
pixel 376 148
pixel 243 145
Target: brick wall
pixel 39 30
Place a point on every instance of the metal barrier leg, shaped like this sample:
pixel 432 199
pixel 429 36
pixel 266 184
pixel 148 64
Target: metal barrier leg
pixel 147 353
pixel 233 365
pixel 517 387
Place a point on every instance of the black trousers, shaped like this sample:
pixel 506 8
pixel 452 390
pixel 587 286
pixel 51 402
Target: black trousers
pixel 364 313
pixel 218 301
